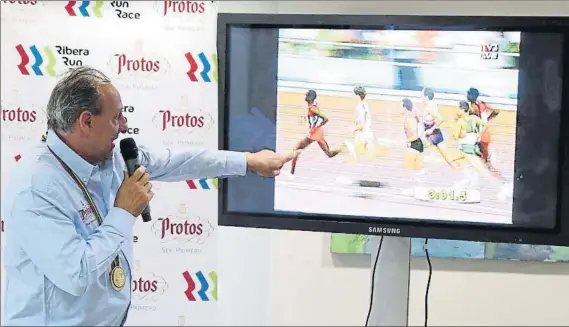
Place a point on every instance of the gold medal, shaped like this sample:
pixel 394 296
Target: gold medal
pixel 118 278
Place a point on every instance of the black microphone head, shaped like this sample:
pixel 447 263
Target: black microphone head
pixel 129 150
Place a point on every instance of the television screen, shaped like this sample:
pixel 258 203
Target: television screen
pixel 450 128
pixel 425 120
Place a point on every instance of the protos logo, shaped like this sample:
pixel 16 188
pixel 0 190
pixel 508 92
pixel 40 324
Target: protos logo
pixel 69 57
pixel 169 119
pixel 181 233
pixel 200 287
pixel 205 71
pixel 138 64
pixel 21 123
pixel 31 3
pixel 179 229
pixel 138 68
pixel 183 230
pixel 121 9
pixel 17 157
pixel 190 7
pixel 149 288
pixel 27 12
pixel 146 292
pixel 184 126
pixel 19 115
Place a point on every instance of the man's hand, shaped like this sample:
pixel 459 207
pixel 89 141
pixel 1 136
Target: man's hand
pixel 134 192
pixel 267 163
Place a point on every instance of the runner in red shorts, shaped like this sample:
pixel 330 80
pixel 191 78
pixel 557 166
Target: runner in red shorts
pixel 316 120
pixel 486 114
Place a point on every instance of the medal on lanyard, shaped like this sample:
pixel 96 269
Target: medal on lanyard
pixel 117 275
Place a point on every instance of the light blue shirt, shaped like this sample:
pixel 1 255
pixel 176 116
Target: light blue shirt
pixel 57 259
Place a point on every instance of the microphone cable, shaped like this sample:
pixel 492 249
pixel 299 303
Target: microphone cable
pixel 426 249
pixel 373 280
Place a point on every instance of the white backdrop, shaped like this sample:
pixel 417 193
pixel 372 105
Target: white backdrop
pixel 161 56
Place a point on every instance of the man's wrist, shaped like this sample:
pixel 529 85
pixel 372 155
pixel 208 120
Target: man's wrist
pixel 248 159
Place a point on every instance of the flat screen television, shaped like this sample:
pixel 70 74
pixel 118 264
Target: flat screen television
pixel 411 126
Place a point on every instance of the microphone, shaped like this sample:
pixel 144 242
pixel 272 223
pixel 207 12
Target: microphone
pixel 129 152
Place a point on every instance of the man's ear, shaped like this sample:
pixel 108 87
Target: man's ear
pixel 85 120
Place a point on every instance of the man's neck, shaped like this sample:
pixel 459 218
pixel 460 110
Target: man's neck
pixel 76 144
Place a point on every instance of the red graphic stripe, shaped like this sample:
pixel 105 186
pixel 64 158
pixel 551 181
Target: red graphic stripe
pixel 25 60
pixel 191 286
pixel 193 67
pixel 191 184
pixel 18 157
pixel 69 8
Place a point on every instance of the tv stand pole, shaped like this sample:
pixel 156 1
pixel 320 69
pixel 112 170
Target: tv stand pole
pixel 391 281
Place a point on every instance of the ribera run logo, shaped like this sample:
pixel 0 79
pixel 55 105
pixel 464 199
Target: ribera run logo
pixel 205 72
pixel 45 64
pixel 203 293
pixel 84 9
pixel 38 60
pixel 203 184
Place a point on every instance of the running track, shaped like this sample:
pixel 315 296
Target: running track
pixel 316 188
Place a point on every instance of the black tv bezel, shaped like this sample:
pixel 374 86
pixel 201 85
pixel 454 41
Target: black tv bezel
pixel 433 230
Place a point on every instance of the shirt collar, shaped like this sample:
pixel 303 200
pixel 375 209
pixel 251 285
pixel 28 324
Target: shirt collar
pixel 78 165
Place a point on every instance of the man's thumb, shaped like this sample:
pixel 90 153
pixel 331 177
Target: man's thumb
pixel 291 155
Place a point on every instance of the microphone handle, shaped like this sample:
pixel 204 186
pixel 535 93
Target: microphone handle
pixel 131 166
pixel 146 214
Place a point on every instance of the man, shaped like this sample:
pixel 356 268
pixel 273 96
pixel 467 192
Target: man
pixel 414 156
pixel 431 121
pixel 70 207
pixel 487 114
pixel 316 120
pixel 468 132
pixel 363 134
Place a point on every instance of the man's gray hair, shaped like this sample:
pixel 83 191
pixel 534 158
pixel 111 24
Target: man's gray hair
pixel 76 91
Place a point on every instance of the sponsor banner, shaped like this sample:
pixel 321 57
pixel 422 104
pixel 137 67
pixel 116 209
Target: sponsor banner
pixel 161 57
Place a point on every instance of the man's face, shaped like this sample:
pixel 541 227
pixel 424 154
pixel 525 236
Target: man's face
pixel 108 124
pixel 406 111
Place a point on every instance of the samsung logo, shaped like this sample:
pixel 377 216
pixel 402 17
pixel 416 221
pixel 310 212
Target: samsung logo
pixel 384 230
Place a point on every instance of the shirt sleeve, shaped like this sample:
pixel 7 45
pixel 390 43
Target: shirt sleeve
pixel 46 232
pixel 168 165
